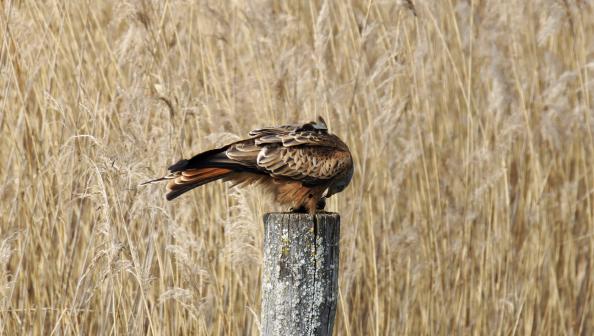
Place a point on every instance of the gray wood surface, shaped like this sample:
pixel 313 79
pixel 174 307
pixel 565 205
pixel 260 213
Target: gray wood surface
pixel 300 274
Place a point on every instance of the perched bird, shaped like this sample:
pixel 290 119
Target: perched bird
pixel 301 164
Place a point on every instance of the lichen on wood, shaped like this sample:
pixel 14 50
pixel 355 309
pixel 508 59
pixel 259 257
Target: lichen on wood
pixel 300 273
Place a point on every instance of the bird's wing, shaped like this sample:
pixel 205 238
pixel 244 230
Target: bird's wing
pixel 318 126
pixel 273 130
pixel 308 164
pixel 297 138
pixel 306 156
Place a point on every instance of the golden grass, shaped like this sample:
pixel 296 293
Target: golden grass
pixel 471 211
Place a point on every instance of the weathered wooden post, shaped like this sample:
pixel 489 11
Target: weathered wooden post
pixel 300 274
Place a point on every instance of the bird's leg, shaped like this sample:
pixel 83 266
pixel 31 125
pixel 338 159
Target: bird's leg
pixel 321 204
pixel 300 209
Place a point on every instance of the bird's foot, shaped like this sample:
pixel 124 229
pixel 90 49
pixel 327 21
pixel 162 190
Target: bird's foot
pixel 300 209
pixel 321 205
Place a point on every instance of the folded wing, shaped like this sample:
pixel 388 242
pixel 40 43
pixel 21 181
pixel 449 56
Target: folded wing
pixel 310 157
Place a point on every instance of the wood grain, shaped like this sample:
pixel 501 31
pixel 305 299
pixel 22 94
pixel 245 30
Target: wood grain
pixel 300 273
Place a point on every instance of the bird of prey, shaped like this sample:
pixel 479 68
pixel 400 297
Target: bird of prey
pixel 301 165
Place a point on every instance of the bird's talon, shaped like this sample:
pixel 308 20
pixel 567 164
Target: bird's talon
pixel 301 209
pixel 321 204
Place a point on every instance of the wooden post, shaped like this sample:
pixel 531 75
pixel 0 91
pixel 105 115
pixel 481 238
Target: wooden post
pixel 300 274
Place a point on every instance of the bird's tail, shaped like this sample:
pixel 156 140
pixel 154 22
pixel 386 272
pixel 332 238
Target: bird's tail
pixel 189 179
pixel 203 168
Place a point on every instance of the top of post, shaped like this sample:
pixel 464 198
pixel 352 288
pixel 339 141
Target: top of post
pixel 302 216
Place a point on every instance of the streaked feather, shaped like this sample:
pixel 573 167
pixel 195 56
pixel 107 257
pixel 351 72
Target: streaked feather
pixel 298 163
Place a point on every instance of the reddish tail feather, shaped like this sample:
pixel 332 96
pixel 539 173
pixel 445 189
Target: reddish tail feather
pixel 193 178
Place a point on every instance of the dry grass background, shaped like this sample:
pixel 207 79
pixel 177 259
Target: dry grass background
pixel 471 211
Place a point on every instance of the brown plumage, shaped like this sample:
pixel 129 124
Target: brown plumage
pixel 301 164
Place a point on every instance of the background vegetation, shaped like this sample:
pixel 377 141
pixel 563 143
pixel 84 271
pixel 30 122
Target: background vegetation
pixel 471 211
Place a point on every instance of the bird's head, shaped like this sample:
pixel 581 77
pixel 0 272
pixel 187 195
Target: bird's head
pixel 340 182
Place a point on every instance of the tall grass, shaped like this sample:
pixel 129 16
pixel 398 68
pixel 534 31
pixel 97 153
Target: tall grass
pixel 471 210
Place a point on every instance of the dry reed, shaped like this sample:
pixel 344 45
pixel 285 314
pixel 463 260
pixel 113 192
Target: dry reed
pixel 471 211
